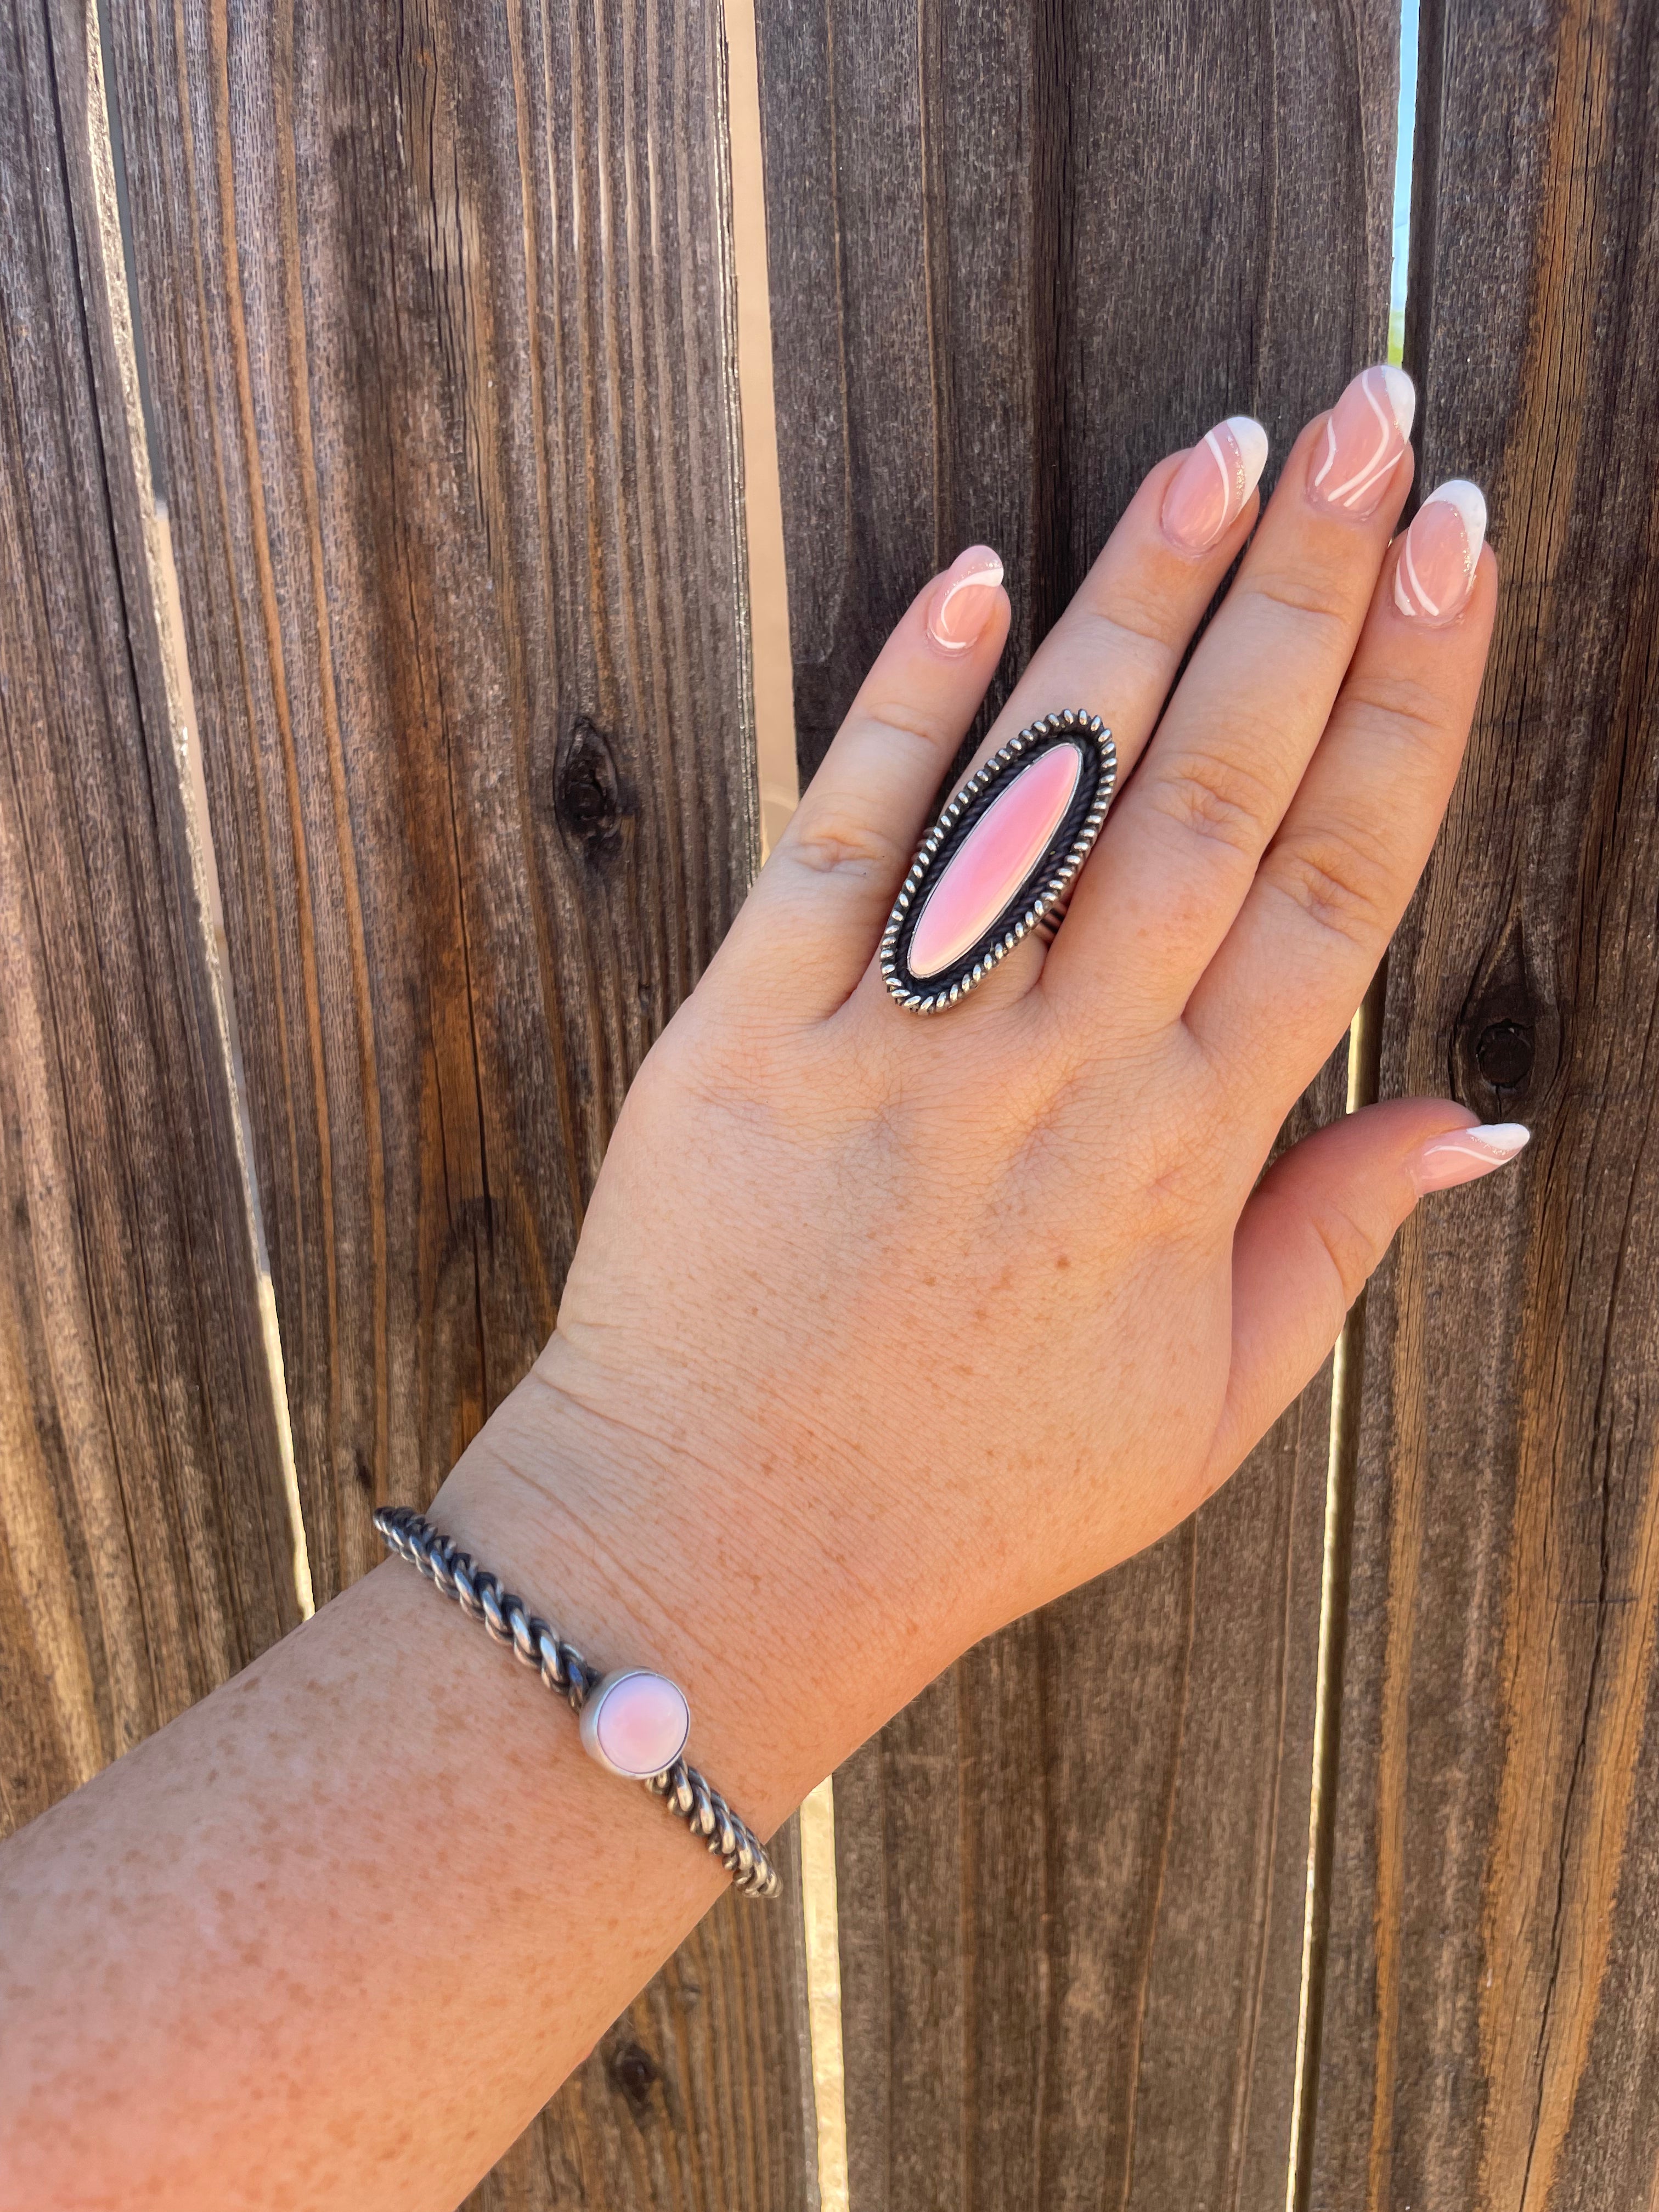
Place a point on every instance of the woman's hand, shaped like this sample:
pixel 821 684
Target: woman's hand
pixel 911 1324
pixel 881 1331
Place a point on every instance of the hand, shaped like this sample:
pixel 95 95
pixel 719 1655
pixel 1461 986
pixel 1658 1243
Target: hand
pixel 916 1323
pixel 881 1331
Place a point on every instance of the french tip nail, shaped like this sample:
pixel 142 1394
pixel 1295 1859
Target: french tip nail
pixel 1434 574
pixel 961 601
pixel 1460 1156
pixel 1470 503
pixel 1402 396
pixel 1252 443
pixel 1499 1141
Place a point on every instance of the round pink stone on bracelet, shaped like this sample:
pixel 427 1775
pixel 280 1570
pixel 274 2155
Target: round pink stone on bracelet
pixel 636 1723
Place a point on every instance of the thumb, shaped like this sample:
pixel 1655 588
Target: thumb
pixel 1313 1230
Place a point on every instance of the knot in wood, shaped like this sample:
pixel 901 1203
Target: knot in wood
pixel 1504 1053
pixel 635 2073
pixel 587 794
pixel 1506 1041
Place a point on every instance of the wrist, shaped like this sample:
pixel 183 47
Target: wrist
pixel 655 1532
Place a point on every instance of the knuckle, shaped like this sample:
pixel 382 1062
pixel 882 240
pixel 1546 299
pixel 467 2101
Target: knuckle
pixel 1133 632
pixel 1338 878
pixel 1316 599
pixel 1216 799
pixel 835 841
pixel 1381 703
pixel 1350 1247
pixel 899 720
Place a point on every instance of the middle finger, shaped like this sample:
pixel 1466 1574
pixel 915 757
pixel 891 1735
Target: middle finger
pixel 1181 845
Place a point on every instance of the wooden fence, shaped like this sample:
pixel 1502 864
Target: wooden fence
pixel 1335 1877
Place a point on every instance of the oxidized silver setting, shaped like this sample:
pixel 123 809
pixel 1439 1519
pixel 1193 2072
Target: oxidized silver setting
pixel 536 1644
pixel 1045 890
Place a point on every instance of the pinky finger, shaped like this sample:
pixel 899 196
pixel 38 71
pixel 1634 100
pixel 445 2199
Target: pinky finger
pixel 1313 1231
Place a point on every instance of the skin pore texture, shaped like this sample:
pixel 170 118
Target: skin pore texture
pixel 881 1332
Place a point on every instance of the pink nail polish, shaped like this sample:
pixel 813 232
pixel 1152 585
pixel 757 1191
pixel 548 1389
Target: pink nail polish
pixel 1208 490
pixel 1435 573
pixel 963 597
pixel 1366 433
pixel 994 858
pixel 1461 1155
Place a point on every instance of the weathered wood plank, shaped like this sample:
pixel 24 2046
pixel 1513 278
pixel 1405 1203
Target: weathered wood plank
pixel 439 308
pixel 145 1548
pixel 439 315
pixel 1490 2013
pixel 1017 255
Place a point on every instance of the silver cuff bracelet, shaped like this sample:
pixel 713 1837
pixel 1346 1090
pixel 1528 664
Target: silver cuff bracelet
pixel 634 1723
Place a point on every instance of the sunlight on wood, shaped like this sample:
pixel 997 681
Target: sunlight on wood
pixel 818 1908
pixel 163 578
pixel 769 589
pixel 188 751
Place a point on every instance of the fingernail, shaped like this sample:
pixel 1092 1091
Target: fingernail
pixel 963 597
pixel 1208 490
pixel 1434 574
pixel 1366 433
pixel 1461 1155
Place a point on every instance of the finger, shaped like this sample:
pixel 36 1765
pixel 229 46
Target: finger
pixel 1336 880
pixel 1313 1231
pixel 1181 850
pixel 805 932
pixel 1116 650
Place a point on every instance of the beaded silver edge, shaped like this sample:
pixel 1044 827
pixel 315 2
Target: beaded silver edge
pixel 1053 888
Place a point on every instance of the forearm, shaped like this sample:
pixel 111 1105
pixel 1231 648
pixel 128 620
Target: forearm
pixel 302 1921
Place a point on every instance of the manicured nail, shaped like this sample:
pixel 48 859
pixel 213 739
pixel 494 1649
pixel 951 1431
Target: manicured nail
pixel 963 597
pixel 1210 488
pixel 1461 1155
pixel 1436 570
pixel 1366 433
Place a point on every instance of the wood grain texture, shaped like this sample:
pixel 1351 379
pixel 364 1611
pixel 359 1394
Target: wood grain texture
pixel 699 2099
pixel 439 307
pixel 1491 2033
pixel 145 1551
pixel 1017 255
pixel 438 303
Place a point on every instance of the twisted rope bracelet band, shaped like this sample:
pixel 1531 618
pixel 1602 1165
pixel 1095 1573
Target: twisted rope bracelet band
pixel 637 1710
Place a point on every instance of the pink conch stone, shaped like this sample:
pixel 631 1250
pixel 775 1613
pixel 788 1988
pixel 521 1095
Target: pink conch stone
pixel 993 860
pixel 642 1723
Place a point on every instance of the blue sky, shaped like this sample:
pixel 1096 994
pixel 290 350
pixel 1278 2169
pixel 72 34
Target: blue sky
pixel 1402 175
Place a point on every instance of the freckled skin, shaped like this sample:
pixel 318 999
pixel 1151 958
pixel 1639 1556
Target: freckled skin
pixel 817 1386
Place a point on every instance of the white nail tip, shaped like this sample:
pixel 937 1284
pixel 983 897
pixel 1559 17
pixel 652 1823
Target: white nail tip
pixel 1401 395
pixel 1471 506
pixel 1500 1140
pixel 1252 442
pixel 988 574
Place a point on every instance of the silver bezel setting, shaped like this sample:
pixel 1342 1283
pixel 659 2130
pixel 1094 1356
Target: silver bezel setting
pixel 1033 903
pixel 594 1708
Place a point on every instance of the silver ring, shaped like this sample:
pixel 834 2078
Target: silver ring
pixel 933 954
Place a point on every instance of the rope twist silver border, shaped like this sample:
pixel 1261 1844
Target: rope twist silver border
pixel 535 1642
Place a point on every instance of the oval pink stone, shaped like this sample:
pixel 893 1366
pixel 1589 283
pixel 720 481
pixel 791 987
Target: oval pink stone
pixel 993 860
pixel 637 1723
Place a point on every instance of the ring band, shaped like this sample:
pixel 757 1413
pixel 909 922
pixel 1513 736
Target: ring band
pixel 1001 860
